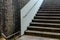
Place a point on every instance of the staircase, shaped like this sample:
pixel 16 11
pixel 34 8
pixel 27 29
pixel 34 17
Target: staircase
pixel 46 23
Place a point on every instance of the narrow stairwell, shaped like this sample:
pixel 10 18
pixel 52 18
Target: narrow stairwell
pixel 46 23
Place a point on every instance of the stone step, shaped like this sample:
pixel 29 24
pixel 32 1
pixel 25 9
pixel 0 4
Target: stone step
pixel 55 25
pixel 44 29
pixel 46 21
pixel 56 17
pixel 48 12
pixel 43 34
pixel 28 37
pixel 49 9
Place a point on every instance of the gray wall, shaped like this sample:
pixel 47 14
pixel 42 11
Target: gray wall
pixel 23 3
pixel 10 18
pixel 0 15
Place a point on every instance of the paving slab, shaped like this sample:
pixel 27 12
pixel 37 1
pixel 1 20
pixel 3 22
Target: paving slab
pixel 26 37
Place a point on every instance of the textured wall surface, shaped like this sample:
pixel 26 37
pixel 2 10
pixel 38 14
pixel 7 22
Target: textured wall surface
pixel 0 16
pixel 10 18
pixel 1 6
pixel 23 3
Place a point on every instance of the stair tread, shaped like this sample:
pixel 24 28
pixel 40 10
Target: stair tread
pixel 51 33
pixel 51 8
pixel 29 37
pixel 45 20
pixel 49 16
pixel 52 5
pixel 45 23
pixel 44 27
pixel 48 11
pixel 48 7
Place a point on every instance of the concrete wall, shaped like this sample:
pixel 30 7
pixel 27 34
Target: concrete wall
pixel 11 13
pixel 9 17
pixel 0 14
pixel 23 3
pixel 28 12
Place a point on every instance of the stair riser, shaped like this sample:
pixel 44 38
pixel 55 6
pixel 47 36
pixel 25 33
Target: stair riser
pixel 50 5
pixel 47 15
pixel 42 35
pixel 46 21
pixel 55 26
pixel 51 8
pixel 46 18
pixel 47 12
pixel 44 30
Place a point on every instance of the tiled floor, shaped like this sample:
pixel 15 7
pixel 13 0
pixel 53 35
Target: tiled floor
pixel 25 37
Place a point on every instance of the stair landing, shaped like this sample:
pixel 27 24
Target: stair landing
pixel 26 37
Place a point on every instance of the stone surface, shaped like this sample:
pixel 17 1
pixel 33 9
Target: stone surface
pixel 10 17
pixel 26 37
pixel 2 39
pixel 23 3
